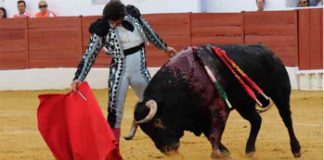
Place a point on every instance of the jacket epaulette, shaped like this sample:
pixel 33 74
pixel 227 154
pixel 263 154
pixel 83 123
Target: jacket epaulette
pixel 100 27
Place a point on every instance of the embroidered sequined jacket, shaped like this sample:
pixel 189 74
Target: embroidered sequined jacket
pixel 103 35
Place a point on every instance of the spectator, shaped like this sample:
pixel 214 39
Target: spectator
pixel 3 13
pixel 260 5
pixel 303 3
pixel 21 4
pixel 44 12
pixel 315 2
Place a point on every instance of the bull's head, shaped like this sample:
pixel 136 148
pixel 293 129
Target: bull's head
pixel 148 115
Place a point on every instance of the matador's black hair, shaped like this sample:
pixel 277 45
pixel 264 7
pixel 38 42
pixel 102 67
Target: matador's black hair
pixel 114 10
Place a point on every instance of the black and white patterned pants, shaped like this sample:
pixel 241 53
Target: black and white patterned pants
pixel 124 72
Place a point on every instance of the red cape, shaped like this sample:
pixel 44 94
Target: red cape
pixel 74 127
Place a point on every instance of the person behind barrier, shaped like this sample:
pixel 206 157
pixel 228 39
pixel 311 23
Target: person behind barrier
pixel 315 2
pixel 260 5
pixel 124 33
pixel 3 13
pixel 303 3
pixel 44 12
pixel 21 5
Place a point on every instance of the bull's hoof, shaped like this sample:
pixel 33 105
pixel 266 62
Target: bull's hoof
pixel 173 156
pixel 297 155
pixel 250 155
pixel 172 153
pixel 295 149
pixel 224 150
pixel 250 151
pixel 226 153
pixel 220 156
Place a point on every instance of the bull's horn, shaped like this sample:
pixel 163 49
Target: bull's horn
pixel 151 104
pixel 132 131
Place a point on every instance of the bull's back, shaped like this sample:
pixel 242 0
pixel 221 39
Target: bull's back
pixel 183 74
pixel 259 63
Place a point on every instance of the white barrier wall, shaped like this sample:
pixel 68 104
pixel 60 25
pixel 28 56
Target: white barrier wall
pixel 61 78
pixel 51 78
pixel 310 80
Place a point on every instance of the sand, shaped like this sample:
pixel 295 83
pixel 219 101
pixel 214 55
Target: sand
pixel 20 139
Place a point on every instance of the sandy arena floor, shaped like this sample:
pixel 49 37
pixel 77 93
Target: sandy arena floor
pixel 20 139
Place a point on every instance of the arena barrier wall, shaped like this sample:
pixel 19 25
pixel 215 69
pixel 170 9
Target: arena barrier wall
pixel 174 29
pixel 310 39
pixel 217 28
pixel 14 44
pixel 310 49
pixel 54 42
pixel 276 30
pixel 295 36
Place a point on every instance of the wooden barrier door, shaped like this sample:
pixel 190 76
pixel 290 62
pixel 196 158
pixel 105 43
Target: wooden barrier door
pixel 216 28
pixel 174 29
pixel 310 39
pixel 276 30
pixel 13 44
pixel 54 42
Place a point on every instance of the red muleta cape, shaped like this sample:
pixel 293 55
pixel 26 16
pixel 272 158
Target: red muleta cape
pixel 74 127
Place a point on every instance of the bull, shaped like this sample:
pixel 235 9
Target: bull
pixel 181 97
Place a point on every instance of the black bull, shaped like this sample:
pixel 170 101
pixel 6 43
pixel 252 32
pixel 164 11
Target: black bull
pixel 182 97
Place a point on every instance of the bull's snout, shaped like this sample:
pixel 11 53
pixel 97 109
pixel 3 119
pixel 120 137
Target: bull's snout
pixel 170 149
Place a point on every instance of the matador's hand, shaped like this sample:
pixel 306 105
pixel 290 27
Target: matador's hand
pixel 170 51
pixel 74 85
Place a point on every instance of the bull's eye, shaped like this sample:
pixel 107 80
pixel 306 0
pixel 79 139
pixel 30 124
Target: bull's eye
pixel 159 124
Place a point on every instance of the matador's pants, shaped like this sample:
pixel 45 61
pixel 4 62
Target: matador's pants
pixel 132 71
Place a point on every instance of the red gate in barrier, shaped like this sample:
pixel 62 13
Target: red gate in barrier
pixel 310 53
